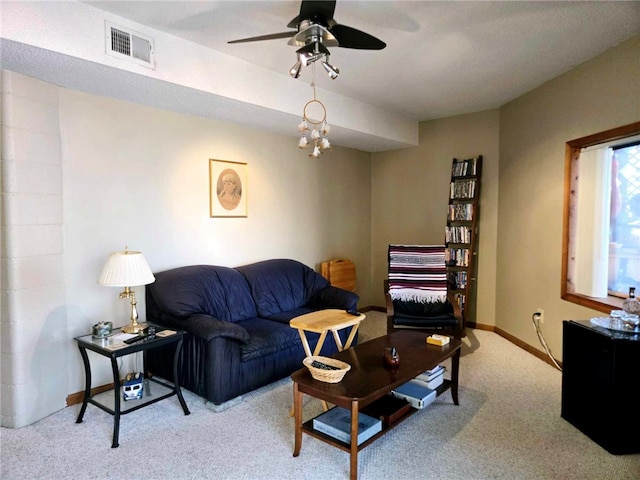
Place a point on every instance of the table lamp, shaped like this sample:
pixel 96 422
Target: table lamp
pixel 127 269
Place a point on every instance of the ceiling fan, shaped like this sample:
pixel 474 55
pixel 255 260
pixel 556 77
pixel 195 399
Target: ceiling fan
pixel 316 30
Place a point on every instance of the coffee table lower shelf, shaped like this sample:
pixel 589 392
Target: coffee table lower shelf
pixel 307 427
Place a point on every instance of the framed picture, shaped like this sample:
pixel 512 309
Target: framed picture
pixel 227 188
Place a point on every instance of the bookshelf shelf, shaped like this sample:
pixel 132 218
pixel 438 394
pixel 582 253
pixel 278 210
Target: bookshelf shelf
pixel 461 232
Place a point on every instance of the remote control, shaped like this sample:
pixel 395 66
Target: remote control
pixel 323 366
pixel 131 340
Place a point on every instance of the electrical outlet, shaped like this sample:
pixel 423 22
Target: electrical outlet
pixel 540 314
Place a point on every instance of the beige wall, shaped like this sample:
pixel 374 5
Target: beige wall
pixel 136 176
pixel 522 189
pixel 410 195
pixel 601 94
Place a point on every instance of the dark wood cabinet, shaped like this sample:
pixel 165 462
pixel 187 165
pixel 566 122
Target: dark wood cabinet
pixel 462 231
pixel 601 385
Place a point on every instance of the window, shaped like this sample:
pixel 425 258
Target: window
pixel 601 240
pixel 624 251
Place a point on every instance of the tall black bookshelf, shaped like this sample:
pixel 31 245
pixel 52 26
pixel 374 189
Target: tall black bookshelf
pixel 461 233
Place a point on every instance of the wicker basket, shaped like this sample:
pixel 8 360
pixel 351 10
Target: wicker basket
pixel 328 376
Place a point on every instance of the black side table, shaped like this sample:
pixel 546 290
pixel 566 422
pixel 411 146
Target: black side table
pixel 154 389
pixel 600 391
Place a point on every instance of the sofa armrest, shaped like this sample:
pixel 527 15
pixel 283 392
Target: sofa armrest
pixel 208 327
pixel 334 297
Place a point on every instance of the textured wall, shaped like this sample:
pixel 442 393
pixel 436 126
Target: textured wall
pixel 34 329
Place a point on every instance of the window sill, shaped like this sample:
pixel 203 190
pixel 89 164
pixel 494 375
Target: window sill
pixel 601 304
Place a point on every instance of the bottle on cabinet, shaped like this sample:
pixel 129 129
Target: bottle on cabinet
pixel 631 304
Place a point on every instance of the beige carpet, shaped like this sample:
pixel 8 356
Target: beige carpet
pixel 507 426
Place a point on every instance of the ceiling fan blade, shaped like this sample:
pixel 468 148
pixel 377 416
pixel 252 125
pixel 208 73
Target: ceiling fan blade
pixel 349 37
pixel 273 36
pixel 320 11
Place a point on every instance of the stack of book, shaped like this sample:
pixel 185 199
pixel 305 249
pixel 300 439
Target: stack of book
pixel 337 424
pixel 461 168
pixel 461 211
pixel 432 378
pixel 462 189
pixel 457 280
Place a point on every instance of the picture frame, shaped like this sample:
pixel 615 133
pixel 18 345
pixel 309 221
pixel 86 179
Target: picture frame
pixel 228 182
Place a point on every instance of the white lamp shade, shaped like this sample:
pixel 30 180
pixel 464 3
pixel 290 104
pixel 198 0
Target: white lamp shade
pixel 126 269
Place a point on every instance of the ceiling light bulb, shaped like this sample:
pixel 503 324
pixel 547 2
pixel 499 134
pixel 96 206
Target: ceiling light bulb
pixel 295 70
pixel 331 70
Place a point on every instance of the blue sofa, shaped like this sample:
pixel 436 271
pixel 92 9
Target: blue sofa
pixel 237 321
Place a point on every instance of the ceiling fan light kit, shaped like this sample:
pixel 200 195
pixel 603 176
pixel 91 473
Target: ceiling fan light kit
pixel 311 53
pixel 315 31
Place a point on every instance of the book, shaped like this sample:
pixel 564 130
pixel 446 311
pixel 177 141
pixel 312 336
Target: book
pixel 337 424
pixel 432 382
pixel 389 409
pixel 436 339
pixel 434 372
pixel 415 393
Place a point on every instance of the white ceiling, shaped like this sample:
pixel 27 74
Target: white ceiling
pixel 442 58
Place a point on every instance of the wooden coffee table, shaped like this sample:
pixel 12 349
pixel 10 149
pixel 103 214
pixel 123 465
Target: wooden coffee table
pixel 369 380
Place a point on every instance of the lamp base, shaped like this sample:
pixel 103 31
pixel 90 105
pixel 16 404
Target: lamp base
pixel 137 328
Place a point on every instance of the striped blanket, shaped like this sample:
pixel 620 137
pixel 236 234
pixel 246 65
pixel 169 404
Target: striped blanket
pixel 417 273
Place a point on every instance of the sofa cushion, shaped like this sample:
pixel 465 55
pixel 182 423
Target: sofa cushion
pixel 267 338
pixel 281 285
pixel 417 314
pixel 218 291
pixel 285 317
pixel 425 322
pixel 422 309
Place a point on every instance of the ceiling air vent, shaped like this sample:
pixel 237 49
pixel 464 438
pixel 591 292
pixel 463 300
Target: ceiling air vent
pixel 125 43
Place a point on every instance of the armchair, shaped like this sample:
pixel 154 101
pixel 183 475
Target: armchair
pixel 417 294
